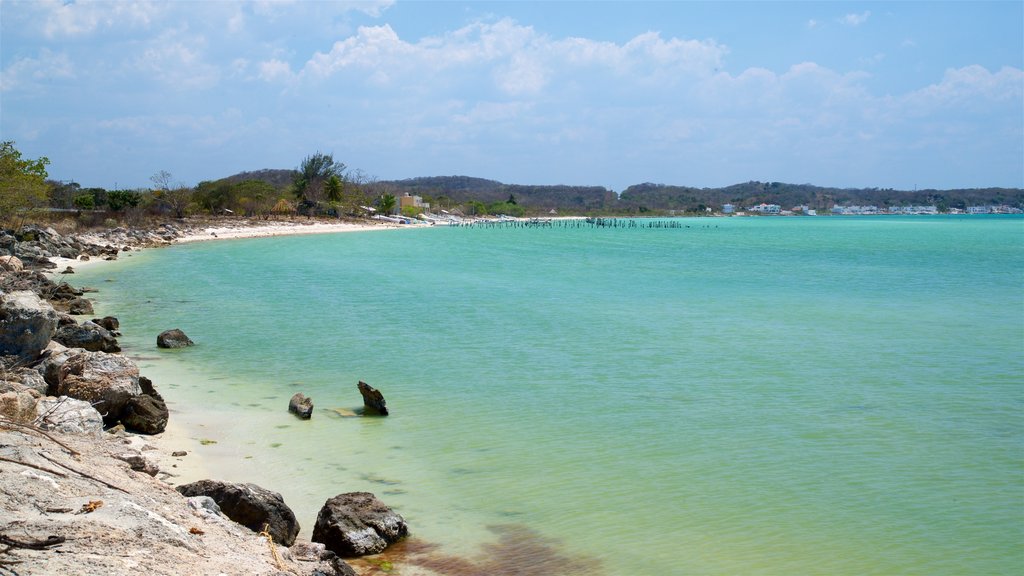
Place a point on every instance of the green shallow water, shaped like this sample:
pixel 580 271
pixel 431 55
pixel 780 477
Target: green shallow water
pixel 742 396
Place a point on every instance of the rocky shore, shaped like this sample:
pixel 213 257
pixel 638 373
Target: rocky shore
pixel 80 486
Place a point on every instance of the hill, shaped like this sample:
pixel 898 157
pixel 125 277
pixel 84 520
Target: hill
pixel 649 197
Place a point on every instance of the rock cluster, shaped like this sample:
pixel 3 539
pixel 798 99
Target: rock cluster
pixel 33 245
pixel 46 352
pixel 66 377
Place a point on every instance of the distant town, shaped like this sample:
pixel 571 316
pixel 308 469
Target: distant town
pixel 869 210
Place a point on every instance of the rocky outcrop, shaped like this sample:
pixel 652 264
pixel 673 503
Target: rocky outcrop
pixel 146 414
pixel 301 406
pixel 68 416
pixel 373 400
pixel 357 524
pixel 88 335
pixel 251 506
pixel 27 323
pixel 107 381
pixel 174 338
pixel 19 405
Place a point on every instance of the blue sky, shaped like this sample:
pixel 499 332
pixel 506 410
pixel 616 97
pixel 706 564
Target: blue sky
pixel 848 94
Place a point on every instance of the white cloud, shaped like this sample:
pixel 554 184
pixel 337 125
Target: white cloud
pixel 856 19
pixel 519 60
pixel 970 88
pixel 33 71
pixel 812 23
pixel 275 70
pixel 177 60
pixel 87 16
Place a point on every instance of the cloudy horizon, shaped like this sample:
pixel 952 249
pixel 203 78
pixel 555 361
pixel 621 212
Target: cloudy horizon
pixel 847 94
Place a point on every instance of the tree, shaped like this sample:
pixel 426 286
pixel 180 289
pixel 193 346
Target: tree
pixel 118 200
pixel 386 203
pixel 162 180
pixel 23 185
pixel 334 188
pixel 315 172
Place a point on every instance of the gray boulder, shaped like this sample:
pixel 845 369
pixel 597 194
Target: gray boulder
pixel 301 406
pixel 52 359
pixel 173 339
pixel 107 381
pixel 358 524
pixel 251 506
pixel 27 323
pixel 88 335
pixel 373 399
pixel 68 416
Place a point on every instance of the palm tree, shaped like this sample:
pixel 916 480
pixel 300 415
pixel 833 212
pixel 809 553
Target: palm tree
pixel 386 203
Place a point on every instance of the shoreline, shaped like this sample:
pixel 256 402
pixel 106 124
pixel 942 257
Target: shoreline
pixel 100 454
pixel 178 435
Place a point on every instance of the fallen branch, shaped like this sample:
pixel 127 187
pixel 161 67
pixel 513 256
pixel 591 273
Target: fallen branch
pixel 31 465
pixel 31 544
pixel 4 422
pixel 84 475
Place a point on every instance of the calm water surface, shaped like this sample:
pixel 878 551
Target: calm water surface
pixel 742 396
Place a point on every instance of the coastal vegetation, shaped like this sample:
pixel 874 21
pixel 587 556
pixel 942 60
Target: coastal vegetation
pixel 324 187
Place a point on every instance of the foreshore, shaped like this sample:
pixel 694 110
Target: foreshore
pixel 105 503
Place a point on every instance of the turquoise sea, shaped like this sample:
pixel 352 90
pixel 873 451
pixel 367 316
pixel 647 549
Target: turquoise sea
pixel 776 396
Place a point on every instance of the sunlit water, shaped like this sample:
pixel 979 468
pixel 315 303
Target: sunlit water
pixel 741 396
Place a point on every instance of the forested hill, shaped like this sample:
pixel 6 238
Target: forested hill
pixel 665 197
pixel 649 197
pixel 462 189
pixel 455 190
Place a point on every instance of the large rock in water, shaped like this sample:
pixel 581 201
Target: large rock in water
pixel 174 338
pixel 107 381
pixel 251 506
pixel 88 335
pixel 357 524
pixel 301 406
pixel 26 324
pixel 373 399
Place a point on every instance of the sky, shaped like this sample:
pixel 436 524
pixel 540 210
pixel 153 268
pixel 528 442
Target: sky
pixel 905 95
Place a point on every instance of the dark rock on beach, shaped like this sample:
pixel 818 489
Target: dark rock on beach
pixel 79 307
pixel 108 322
pixel 174 338
pixel 89 336
pixel 146 414
pixel 373 399
pixel 357 524
pixel 251 506
pixel 301 406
